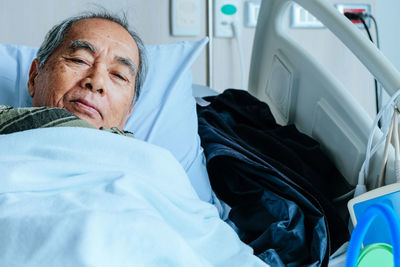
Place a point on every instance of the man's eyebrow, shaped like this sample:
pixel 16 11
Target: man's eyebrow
pixel 127 62
pixel 80 44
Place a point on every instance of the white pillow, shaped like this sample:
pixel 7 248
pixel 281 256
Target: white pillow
pixel 165 113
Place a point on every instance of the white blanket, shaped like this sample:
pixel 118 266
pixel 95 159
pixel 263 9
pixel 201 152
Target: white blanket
pixel 83 197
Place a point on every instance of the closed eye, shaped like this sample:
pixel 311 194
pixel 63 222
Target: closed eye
pixel 119 76
pixel 77 60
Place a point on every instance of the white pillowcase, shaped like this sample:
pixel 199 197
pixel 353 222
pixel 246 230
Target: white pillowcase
pixel 164 115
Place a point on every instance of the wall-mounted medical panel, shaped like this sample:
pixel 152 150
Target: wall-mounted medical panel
pixel 185 17
pixel 226 12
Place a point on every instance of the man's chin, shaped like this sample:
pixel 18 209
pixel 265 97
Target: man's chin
pixel 89 120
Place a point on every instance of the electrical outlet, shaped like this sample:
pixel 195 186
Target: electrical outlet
pixel 226 12
pixel 252 10
pixel 185 17
pixel 356 8
pixel 301 18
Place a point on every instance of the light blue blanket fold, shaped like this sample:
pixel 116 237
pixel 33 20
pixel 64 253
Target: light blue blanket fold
pixel 83 197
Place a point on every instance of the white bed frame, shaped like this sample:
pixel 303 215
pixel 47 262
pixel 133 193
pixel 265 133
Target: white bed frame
pixel 300 90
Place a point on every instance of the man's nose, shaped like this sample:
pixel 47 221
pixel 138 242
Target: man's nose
pixel 95 81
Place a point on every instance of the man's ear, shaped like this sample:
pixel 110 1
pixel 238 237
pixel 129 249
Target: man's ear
pixel 131 109
pixel 33 73
pixel 127 117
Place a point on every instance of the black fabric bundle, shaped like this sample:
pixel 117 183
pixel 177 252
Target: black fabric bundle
pixel 277 181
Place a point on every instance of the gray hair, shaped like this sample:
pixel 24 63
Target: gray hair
pixel 56 36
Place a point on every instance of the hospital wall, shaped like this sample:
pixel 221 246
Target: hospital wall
pixel 26 22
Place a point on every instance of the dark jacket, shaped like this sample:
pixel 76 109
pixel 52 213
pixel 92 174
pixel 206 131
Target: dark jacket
pixel 277 181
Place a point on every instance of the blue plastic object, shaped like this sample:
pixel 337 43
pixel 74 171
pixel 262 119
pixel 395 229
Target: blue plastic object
pixel 362 227
pixel 378 231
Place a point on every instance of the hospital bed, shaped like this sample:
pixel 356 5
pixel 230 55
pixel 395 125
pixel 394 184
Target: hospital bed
pixel 308 97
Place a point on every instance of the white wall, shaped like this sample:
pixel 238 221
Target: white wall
pixel 26 22
pixel 387 12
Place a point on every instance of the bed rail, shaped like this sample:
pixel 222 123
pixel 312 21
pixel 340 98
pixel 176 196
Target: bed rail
pixel 301 91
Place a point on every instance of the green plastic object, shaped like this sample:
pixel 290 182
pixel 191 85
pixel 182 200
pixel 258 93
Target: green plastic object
pixel 378 254
pixel 228 9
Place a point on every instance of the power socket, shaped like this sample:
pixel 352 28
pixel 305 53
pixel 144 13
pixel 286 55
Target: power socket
pixel 356 8
pixel 252 10
pixel 301 18
pixel 225 13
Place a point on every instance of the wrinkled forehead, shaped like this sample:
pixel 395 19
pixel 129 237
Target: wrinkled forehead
pixel 104 34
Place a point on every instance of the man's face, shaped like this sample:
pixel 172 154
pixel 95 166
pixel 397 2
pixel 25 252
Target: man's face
pixel 92 74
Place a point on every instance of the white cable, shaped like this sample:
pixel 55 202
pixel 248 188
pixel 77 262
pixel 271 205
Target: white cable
pixel 365 167
pixel 396 145
pixel 236 35
pixel 385 154
pixel 389 107
pixel 385 131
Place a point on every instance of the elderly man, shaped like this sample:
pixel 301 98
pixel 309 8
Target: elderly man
pixel 91 65
pixel 73 196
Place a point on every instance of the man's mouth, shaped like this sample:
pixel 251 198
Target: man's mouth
pixel 85 106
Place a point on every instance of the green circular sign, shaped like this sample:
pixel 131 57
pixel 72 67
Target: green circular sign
pixel 228 9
